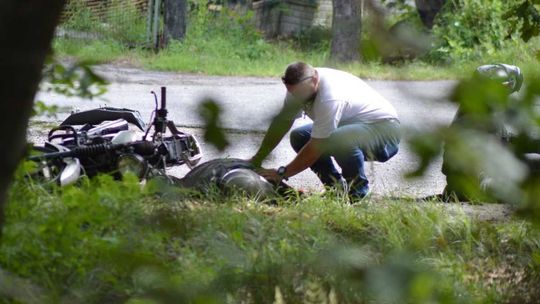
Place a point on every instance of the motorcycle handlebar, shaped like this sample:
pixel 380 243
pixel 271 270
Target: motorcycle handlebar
pixel 163 98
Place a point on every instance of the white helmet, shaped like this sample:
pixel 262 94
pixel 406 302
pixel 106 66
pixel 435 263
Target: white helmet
pixel 249 182
pixel 509 75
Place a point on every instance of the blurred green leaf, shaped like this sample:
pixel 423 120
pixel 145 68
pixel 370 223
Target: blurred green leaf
pixel 77 79
pixel 486 168
pixel 479 97
pixel 210 112
pixel 40 108
pixel 426 146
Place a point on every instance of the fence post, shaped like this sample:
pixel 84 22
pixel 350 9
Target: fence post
pixel 174 20
pixel 155 29
pixel 149 22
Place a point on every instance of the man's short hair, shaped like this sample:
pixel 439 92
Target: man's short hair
pixel 297 72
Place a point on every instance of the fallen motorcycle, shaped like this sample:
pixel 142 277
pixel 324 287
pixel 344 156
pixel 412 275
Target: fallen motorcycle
pixel 113 141
pixel 116 141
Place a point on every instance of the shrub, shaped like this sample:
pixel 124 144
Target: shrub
pixel 469 29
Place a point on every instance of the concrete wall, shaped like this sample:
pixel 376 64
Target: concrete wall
pixel 287 17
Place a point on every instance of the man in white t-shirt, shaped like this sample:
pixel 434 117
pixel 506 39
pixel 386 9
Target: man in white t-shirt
pixel 351 123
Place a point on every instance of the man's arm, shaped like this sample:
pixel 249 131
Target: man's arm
pixel 303 160
pixel 277 130
pixel 307 156
pixel 279 126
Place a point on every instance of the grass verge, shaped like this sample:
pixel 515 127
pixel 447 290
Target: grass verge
pixel 106 241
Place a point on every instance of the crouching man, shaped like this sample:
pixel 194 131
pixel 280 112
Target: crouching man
pixel 352 124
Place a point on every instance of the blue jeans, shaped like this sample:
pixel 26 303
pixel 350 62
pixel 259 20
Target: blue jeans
pixel 351 145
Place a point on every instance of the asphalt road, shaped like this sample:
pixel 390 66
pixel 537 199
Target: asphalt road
pixel 248 103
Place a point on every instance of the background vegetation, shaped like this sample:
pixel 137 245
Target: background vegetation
pixel 467 33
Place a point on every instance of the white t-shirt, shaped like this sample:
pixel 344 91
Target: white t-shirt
pixel 343 98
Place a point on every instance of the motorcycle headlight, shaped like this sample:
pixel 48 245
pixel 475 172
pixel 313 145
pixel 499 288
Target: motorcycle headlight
pixel 132 163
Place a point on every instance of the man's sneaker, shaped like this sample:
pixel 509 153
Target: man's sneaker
pixel 353 198
pixel 342 187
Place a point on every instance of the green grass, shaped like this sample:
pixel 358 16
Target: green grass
pixel 225 57
pixel 117 242
pixel 95 51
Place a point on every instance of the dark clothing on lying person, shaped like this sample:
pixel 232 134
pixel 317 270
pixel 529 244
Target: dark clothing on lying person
pixel 229 175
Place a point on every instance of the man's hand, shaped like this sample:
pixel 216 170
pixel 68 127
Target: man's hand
pixel 303 160
pixel 271 175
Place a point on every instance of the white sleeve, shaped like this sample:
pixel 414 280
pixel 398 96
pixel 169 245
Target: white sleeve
pixel 327 116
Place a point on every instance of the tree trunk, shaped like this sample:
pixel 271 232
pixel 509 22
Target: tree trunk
pixel 346 26
pixel 428 10
pixel 175 20
pixel 26 31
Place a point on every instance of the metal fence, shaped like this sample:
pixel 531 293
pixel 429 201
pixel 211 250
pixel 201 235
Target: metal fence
pixel 132 22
